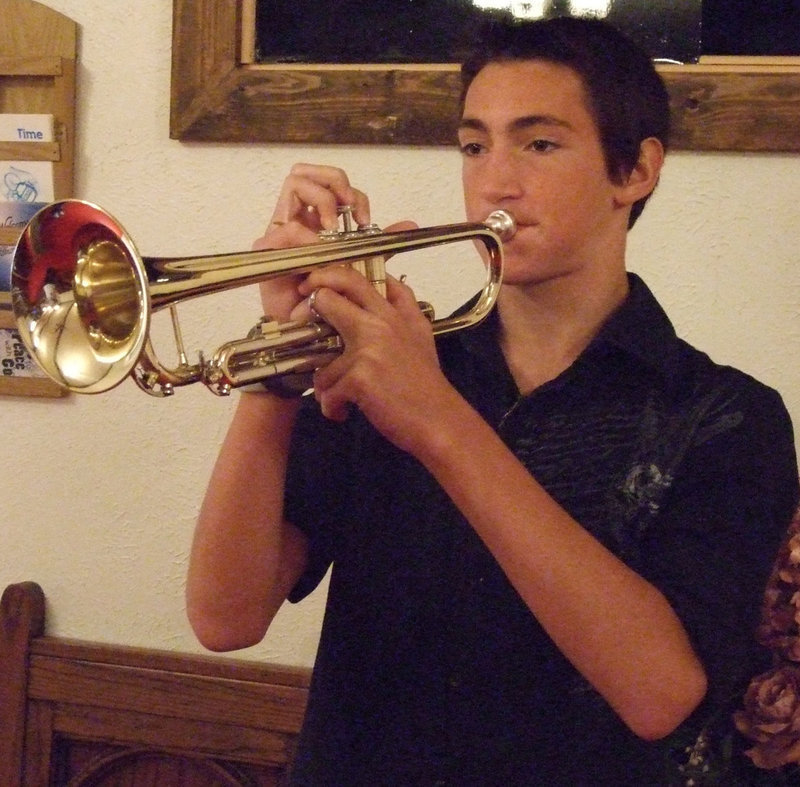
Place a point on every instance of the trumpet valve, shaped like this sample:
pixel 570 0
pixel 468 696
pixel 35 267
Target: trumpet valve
pixel 348 227
pixel 374 268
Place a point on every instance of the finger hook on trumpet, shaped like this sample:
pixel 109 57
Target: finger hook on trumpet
pixel 83 298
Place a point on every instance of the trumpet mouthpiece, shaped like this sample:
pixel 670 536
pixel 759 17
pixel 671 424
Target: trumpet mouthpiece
pixel 502 223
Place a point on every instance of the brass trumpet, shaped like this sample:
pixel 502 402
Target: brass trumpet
pixel 83 297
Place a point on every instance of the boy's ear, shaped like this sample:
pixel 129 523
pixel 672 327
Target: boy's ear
pixel 644 176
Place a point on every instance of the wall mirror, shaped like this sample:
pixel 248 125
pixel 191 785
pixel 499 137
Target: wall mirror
pixel 228 87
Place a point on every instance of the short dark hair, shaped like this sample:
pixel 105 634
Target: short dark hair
pixel 626 96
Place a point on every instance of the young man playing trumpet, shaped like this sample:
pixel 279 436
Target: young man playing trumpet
pixel 549 534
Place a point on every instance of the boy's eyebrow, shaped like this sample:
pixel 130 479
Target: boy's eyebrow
pixel 518 124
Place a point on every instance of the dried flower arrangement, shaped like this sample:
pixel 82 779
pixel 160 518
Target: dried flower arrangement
pixel 770 717
pixel 756 741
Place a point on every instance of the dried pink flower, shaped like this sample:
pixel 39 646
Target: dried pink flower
pixel 793 548
pixel 779 629
pixel 771 717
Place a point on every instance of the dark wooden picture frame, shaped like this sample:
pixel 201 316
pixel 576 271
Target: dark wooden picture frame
pixel 220 95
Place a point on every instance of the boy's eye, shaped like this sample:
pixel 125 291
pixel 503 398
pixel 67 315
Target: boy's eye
pixel 542 145
pixel 471 148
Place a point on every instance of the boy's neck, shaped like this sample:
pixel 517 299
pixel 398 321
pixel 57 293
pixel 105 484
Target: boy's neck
pixel 545 327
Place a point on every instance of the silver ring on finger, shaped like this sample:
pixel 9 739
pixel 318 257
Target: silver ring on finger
pixel 312 301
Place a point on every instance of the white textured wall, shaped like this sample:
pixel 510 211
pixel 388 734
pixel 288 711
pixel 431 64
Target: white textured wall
pixel 100 493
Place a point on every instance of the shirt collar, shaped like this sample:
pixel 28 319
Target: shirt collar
pixel 639 329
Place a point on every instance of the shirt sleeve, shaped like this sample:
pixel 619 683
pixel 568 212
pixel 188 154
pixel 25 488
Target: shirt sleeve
pixel 317 482
pixel 713 545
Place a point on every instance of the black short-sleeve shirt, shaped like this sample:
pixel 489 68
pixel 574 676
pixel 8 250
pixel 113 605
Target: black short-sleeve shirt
pixel 431 670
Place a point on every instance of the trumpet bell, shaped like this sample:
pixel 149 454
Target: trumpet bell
pixel 79 293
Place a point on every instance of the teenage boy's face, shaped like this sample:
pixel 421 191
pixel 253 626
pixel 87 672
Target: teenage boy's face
pixel 530 145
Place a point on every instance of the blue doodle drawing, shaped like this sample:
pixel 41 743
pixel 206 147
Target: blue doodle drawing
pixel 20 186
